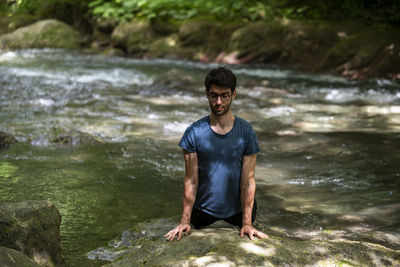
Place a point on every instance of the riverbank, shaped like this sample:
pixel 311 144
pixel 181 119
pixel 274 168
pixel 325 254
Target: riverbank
pixel 351 49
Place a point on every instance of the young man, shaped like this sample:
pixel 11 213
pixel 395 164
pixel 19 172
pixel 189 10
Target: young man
pixel 220 152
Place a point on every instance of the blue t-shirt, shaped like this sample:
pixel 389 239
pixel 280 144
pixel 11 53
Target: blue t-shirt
pixel 220 160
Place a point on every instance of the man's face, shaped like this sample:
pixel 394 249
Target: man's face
pixel 220 99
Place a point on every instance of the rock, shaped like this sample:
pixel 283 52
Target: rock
pixel 32 227
pixel 221 245
pixel 164 27
pixel 196 32
pixel 205 38
pixel 102 39
pixel 175 78
pixel 102 30
pixel 285 42
pixel 133 37
pixel 47 33
pixel 7 139
pixel 13 258
pixel 65 137
pixel 168 47
pixel 366 52
pixel 113 52
pixel 75 139
pixel 106 26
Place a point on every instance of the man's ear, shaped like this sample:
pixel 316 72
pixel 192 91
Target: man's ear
pixel 234 94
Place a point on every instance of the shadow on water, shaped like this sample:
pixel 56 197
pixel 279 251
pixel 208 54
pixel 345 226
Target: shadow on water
pixel 336 185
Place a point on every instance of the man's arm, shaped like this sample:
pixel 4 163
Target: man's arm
pixel 191 182
pixel 247 193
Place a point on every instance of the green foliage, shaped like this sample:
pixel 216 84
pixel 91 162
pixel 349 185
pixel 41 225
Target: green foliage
pixel 225 10
pixel 250 10
pixel 32 7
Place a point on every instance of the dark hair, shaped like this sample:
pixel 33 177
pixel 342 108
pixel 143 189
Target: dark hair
pixel 221 77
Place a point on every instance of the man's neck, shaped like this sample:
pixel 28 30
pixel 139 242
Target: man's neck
pixel 222 124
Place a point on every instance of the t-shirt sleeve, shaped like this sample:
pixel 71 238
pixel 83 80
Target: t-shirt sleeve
pixel 188 141
pixel 252 143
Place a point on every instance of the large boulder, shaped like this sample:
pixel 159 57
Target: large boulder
pixel 286 42
pixel 196 32
pixel 32 227
pixel 206 38
pixel 221 245
pixel 42 34
pixel 133 37
pixel 12 258
pixel 373 50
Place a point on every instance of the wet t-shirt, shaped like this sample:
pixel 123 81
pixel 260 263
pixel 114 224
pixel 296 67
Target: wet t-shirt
pixel 220 160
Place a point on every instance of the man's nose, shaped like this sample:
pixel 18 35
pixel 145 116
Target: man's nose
pixel 219 100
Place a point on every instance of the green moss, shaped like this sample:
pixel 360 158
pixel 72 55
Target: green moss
pixel 7 170
pixel 47 33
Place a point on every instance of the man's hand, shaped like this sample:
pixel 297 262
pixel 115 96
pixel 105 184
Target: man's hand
pixel 178 230
pixel 249 230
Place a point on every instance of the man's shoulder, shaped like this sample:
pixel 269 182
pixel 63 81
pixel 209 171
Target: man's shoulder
pixel 242 123
pixel 201 122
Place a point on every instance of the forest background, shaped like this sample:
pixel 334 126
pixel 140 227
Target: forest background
pixel 386 11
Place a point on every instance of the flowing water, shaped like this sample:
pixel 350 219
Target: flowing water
pixel 330 148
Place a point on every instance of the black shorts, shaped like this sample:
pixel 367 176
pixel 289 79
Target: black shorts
pixel 201 219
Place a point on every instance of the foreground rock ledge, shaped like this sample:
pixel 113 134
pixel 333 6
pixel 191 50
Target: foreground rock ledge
pixel 11 257
pixel 146 246
pixel 33 228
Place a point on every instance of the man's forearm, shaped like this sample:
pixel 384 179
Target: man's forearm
pixel 188 200
pixel 247 198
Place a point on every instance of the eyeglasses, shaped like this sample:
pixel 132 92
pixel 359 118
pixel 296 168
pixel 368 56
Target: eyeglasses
pixel 213 97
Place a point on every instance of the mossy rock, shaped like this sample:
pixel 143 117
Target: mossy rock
pixel 206 38
pixel 252 36
pixel 369 51
pixel 42 34
pixel 166 47
pixel 221 245
pixel 164 27
pixel 32 227
pixel 113 52
pixel 197 32
pixel 305 42
pixel 133 37
pixel 101 38
pixel 282 41
pixel 7 139
pixel 11 257
pixel 59 136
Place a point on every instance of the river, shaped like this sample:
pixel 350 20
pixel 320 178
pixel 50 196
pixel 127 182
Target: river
pixel 330 148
